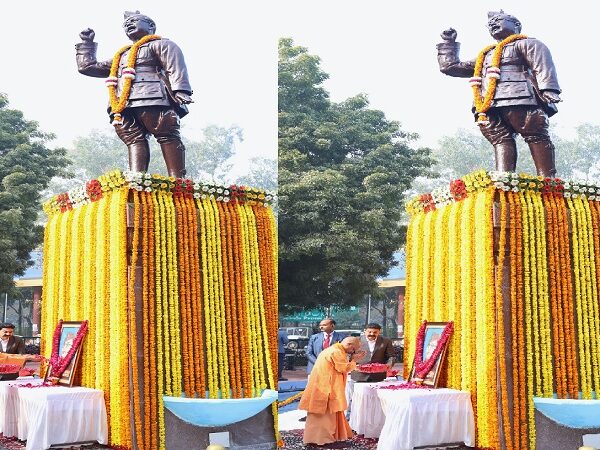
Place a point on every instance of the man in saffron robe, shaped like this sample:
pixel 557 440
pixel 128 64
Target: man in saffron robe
pixel 324 398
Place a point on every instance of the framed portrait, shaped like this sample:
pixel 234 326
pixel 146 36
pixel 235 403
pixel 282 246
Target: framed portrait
pixel 68 333
pixel 431 340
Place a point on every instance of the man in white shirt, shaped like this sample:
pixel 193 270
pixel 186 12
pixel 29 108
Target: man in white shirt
pixel 377 350
pixel 8 342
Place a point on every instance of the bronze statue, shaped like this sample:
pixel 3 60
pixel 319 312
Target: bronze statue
pixel 149 91
pixel 514 94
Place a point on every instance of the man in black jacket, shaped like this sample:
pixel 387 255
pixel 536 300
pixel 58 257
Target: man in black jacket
pixel 377 350
pixel 8 342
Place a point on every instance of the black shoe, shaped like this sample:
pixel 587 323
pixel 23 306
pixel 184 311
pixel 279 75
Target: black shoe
pixel 302 419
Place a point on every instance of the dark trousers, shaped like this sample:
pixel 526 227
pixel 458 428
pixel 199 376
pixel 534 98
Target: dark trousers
pixel 280 364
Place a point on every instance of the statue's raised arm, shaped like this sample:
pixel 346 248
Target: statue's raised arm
pixel 515 90
pixel 147 97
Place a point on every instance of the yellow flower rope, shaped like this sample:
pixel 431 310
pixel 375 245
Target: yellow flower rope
pixel 118 104
pixel 484 103
pixel 454 294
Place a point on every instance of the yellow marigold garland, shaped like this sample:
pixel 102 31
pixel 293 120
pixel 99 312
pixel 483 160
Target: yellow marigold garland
pixel 594 238
pixel 160 292
pixel 484 103
pixel 118 104
pixel 454 293
pixel 499 308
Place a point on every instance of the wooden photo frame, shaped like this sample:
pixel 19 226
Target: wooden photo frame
pixel 433 333
pixel 68 333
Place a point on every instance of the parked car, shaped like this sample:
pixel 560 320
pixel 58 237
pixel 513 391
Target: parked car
pixel 398 344
pixel 298 338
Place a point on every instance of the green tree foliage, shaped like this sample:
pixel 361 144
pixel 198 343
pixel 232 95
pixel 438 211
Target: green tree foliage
pixel 26 167
pixel 343 169
pixel 211 160
pixel 262 173
pixel 577 157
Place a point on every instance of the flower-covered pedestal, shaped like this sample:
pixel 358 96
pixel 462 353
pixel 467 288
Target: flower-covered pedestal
pixel 514 261
pixel 178 281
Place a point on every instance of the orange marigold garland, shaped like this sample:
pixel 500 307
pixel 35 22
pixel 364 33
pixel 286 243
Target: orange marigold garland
pixel 501 340
pixel 133 331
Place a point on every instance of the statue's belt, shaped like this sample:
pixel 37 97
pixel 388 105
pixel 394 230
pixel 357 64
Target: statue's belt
pixel 512 68
pixel 140 69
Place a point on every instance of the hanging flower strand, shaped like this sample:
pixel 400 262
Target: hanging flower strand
pixel 117 104
pixel 484 102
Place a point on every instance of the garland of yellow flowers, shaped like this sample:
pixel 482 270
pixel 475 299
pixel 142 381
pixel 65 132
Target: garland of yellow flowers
pixel 591 283
pixel 483 103
pixel 118 104
pixel 529 326
pixel 487 418
pixel 501 341
pixel 197 299
pixel 556 294
pixel 240 290
pixel 516 266
pixel 454 282
pixel 544 297
pixel 133 331
pixel 594 314
pixel 568 303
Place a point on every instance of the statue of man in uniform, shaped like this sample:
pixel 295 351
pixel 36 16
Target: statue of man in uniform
pixel 148 89
pixel 515 89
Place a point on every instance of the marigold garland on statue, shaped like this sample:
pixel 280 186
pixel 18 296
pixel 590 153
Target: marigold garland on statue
pixel 118 104
pixel 484 102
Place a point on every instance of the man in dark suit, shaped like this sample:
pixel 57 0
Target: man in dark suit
pixel 377 350
pixel 320 341
pixel 8 342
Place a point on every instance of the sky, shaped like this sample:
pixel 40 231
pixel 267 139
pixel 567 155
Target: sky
pixel 384 49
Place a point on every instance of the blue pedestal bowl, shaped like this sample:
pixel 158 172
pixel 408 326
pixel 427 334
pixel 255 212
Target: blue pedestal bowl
pixel 211 412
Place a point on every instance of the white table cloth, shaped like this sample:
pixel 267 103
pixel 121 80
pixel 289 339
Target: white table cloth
pixel 419 417
pixel 366 414
pixel 9 405
pixel 57 415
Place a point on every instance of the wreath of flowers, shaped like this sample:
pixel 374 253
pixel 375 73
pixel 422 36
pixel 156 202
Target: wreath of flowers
pixel 58 363
pixel 117 104
pixel 484 102
pixel 422 368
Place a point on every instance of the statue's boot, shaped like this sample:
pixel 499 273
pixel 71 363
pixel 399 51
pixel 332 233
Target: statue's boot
pixel 174 155
pixel 543 158
pixel 139 156
pixel 506 156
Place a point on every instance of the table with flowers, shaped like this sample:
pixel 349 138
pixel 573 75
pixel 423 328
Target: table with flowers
pixel 419 417
pixel 9 404
pixel 366 415
pixel 56 415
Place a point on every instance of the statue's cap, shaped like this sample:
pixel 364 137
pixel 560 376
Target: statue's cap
pixel 501 13
pixel 129 14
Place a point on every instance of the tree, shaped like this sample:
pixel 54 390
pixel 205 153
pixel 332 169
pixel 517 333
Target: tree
pixel 343 169
pixel 102 151
pixel 26 167
pixel 262 173
pixel 467 151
